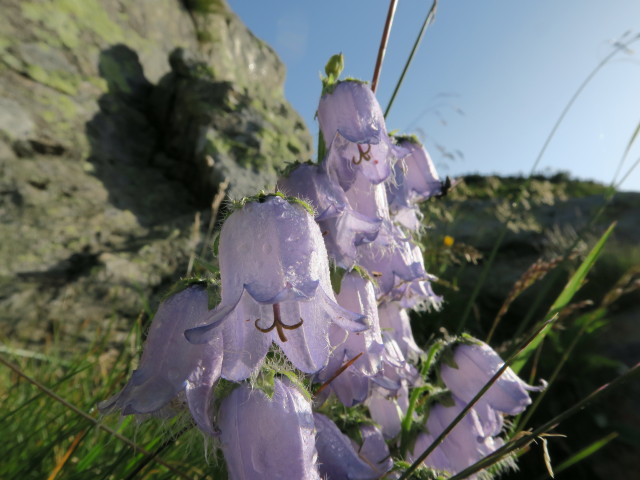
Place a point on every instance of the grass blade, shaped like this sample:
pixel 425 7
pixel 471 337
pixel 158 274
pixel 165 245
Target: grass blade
pixel 427 21
pixel 570 289
pixel 585 452
pixel 88 417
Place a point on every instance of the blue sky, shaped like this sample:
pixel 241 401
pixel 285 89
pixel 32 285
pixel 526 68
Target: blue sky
pixel 489 80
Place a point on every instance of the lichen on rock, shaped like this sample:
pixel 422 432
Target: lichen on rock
pixel 117 123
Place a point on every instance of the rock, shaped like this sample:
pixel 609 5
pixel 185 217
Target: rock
pixel 118 122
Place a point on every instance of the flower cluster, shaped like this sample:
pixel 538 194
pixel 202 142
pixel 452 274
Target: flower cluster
pixel 315 286
pixel 477 435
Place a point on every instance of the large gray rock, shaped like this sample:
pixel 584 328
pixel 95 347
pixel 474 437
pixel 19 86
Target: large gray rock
pixel 118 122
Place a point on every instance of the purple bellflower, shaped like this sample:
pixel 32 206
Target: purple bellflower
pixel 171 365
pixel 416 178
pixel 357 295
pixel 400 273
pixel 340 458
pixel 476 364
pixel 388 408
pixel 266 437
pixel 352 385
pixel 343 228
pixel 389 398
pixel 353 127
pixel 395 320
pixel 463 446
pixel 275 289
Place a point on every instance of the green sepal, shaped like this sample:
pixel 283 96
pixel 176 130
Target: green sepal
pixel 291 166
pixel 265 381
pixel 446 357
pixel 216 244
pixel 411 138
pixel 214 294
pixel 187 282
pixel 336 275
pixel 263 196
pixel 420 473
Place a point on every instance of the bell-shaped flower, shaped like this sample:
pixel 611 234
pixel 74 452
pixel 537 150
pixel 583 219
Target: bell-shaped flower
pixel 415 179
pixel 364 349
pixel 408 217
pixel 344 229
pixel 357 295
pixel 353 127
pixel 463 446
pixel 266 437
pixel 476 363
pixel 400 273
pixel 171 365
pixel 395 320
pixel 388 408
pixel 340 458
pixel 275 288
pixel 389 398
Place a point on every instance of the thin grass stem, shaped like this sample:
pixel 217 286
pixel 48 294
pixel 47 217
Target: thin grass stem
pixel 531 410
pixel 383 44
pixel 88 417
pixel 427 21
pixel 550 136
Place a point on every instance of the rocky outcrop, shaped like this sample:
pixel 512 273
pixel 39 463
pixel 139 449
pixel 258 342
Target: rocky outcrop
pixel 118 123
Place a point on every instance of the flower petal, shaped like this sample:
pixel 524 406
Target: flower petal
pixel 268 438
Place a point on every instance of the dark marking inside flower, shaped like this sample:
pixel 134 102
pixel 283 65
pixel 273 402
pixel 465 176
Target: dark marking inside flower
pixel 363 154
pixel 278 324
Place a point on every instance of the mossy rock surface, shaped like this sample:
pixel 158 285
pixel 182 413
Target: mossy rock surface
pixel 118 122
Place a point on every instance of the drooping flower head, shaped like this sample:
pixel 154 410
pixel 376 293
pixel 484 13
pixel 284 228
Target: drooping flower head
pixel 341 458
pixel 400 272
pixel 353 127
pixel 416 178
pixel 395 320
pixel 344 229
pixel 364 349
pixel 275 288
pixel 170 365
pixel 266 437
pixel 475 364
pixel 389 398
pixel 463 446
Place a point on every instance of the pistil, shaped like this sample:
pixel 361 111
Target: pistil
pixel 363 154
pixel 278 324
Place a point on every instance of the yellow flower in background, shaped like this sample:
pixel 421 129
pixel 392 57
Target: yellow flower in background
pixel 448 241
